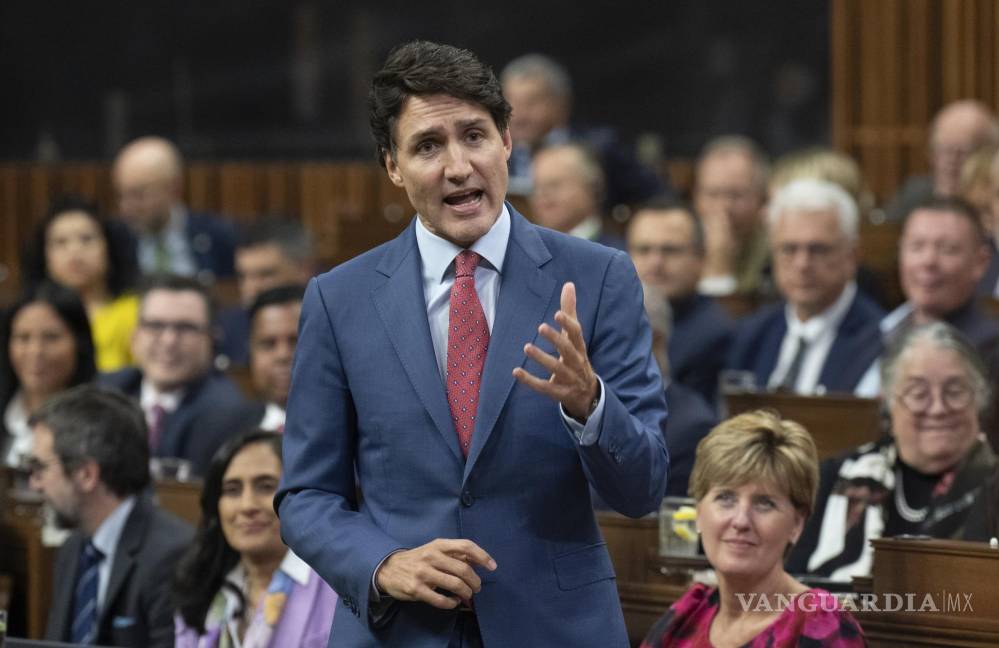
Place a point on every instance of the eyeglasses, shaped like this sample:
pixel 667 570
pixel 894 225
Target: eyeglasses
pixel 817 251
pixel 157 328
pixel 667 251
pixel 917 396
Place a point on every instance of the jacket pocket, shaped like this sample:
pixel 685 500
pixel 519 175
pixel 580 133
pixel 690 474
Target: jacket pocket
pixel 583 566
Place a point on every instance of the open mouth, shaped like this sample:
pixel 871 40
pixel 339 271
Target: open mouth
pixel 464 198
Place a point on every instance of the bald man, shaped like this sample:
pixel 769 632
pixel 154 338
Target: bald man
pixel 958 130
pixel 148 177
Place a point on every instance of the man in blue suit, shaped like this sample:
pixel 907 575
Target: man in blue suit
pixel 825 334
pixel 472 378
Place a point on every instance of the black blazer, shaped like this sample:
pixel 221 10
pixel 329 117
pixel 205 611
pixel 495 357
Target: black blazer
pixel 699 344
pixel 212 410
pixel 137 611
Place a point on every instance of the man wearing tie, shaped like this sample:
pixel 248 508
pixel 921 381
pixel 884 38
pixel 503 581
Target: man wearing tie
pixel 472 378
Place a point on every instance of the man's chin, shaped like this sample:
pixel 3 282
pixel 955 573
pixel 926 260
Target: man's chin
pixel 64 520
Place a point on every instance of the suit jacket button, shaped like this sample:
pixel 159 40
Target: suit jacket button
pixel 467 499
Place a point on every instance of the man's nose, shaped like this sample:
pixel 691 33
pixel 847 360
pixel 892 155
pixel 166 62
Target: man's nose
pixel 458 166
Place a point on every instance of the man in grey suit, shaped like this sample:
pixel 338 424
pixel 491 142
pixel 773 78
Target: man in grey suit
pixel 90 460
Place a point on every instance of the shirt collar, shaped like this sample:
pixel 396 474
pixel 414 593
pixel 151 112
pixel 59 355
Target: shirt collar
pixel 438 254
pixel 109 532
pixel 589 229
pixel 827 320
pixel 292 565
pixel 150 396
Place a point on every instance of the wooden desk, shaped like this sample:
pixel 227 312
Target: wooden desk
pixel 29 562
pixel 836 423
pixel 646 584
pixel 947 570
pixel 183 499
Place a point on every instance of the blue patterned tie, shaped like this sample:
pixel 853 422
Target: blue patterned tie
pixel 84 629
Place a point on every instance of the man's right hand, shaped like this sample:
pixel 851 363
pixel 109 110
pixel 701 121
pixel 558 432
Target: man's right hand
pixel 720 244
pixel 421 574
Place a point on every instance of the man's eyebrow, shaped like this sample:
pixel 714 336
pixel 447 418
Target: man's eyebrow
pixel 462 124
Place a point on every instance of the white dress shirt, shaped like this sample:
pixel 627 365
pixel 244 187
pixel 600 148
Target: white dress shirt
pixel 870 383
pixel 17 446
pixel 175 240
pixel 274 417
pixel 819 332
pixel 106 539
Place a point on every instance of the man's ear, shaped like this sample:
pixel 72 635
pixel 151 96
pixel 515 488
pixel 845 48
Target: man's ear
pixel 87 476
pixel 507 142
pixel 393 169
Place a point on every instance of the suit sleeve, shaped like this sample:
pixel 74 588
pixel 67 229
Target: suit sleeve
pixel 628 464
pixel 317 500
pixel 159 605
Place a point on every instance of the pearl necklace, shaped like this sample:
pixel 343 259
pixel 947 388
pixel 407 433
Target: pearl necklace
pixel 908 513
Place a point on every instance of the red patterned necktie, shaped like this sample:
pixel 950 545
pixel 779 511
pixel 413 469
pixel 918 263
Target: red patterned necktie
pixel 467 341
pixel 155 427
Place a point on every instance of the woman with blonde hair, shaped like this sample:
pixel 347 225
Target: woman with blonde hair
pixel 754 479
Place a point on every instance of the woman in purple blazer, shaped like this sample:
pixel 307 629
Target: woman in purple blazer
pixel 238 584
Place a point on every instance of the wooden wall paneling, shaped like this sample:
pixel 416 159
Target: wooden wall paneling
pixel 201 187
pixel 11 218
pixel 241 191
pixel 318 208
pixel 281 195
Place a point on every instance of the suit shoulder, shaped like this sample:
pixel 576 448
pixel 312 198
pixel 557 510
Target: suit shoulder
pixel 758 322
pixel 567 247
pixel 126 379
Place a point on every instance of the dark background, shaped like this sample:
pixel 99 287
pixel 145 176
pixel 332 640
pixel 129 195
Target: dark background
pixel 260 79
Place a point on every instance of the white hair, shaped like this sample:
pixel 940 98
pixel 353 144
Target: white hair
pixel 811 194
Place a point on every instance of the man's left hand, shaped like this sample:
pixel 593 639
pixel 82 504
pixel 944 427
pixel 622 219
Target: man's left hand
pixel 573 382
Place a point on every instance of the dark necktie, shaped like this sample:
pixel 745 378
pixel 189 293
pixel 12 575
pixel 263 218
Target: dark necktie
pixel 791 377
pixel 84 628
pixel 467 342
pixel 156 427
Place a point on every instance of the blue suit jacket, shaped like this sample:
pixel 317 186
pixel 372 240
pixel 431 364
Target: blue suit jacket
pixel 368 408
pixel 699 344
pixel 858 342
pixel 213 243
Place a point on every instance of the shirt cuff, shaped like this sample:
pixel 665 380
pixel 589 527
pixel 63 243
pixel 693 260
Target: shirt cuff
pixel 378 603
pixel 717 286
pixel 586 434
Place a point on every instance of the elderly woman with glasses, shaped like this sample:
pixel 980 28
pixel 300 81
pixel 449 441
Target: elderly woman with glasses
pixel 924 478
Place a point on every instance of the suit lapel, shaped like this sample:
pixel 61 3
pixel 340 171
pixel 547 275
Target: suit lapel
pixel 403 310
pixel 526 291
pixel 62 606
pixel 132 536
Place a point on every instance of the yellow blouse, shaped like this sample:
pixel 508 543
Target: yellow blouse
pixel 112 326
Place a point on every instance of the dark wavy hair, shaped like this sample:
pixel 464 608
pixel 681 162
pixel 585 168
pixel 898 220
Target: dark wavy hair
pixel 67 305
pixel 120 244
pixel 423 68
pixel 202 570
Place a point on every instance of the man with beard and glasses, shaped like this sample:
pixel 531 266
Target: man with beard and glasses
pixel 90 461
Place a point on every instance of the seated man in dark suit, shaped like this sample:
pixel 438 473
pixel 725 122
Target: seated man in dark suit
pixel 568 193
pixel 958 129
pixel 943 253
pixel 148 178
pixel 824 335
pixel 190 409
pixel 540 92
pixel 274 319
pixel 269 253
pixel 90 461
pixel 666 243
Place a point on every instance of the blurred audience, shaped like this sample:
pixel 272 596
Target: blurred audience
pixel 568 193
pixel 840 169
pixel 730 185
pixel 824 334
pixel 273 337
pixel 189 408
pixel 666 243
pixel 111 577
pixel 922 479
pixel 48 348
pixel 540 92
pixel 76 247
pixel 270 252
pixel 754 481
pixel 148 176
pixel 943 254
pixel 979 187
pixel 238 584
pixel 958 129
pixel 690 415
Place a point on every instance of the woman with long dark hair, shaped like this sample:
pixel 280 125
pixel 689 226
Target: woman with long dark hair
pixel 238 584
pixel 47 348
pixel 77 248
